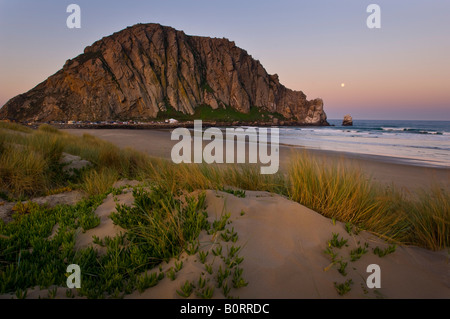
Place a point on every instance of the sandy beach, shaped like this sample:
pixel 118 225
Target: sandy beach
pixel 385 170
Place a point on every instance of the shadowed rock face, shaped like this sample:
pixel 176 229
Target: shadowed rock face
pixel 139 71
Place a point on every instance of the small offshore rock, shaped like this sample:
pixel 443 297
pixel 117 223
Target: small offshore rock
pixel 348 121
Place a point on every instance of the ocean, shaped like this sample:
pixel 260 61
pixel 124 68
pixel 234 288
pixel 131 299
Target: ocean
pixel 425 143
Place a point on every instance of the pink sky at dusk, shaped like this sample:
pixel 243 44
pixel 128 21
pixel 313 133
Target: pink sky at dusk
pixel 401 71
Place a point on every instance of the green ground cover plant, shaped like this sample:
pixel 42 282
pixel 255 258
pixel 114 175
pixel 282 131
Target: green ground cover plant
pixel 221 114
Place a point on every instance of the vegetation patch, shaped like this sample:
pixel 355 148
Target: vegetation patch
pixel 221 114
pixel 236 192
pixel 383 252
pixel 343 288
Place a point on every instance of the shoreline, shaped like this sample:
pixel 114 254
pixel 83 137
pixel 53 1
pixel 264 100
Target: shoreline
pixel 383 169
pixel 372 157
pixel 185 124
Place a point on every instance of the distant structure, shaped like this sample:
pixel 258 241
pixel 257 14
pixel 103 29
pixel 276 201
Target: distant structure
pixel 348 121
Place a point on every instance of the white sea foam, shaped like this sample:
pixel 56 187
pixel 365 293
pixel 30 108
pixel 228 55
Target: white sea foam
pixel 423 143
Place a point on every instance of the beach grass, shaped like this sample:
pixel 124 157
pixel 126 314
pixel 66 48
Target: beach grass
pixel 29 166
pixel 97 182
pixel 15 127
pixel 347 195
pixel 430 217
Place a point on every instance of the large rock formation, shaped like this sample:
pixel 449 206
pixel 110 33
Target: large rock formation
pixel 144 69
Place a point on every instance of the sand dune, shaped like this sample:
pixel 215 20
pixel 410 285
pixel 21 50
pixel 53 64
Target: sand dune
pixel 282 244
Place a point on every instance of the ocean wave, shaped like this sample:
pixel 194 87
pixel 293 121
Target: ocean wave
pixel 401 129
pixel 411 130
pixel 424 142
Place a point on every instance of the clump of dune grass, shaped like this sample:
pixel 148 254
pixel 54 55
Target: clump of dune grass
pixel 346 194
pixel 30 164
pixel 96 151
pixel 49 129
pixel 98 182
pixel 127 162
pixel 8 137
pixel 203 176
pixel 22 171
pixel 430 219
pixel 15 127
pixel 49 145
pixel 249 177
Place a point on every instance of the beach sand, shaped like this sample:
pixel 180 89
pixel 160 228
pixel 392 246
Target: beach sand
pixel 282 244
pixel 386 170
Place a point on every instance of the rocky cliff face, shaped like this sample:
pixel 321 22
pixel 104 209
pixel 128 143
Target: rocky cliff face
pixel 140 71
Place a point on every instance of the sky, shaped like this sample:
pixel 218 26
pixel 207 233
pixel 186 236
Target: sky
pixel 400 71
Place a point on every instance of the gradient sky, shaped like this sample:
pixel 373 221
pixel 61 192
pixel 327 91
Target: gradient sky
pixel 401 71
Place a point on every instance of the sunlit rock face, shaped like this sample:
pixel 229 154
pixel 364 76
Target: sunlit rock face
pixel 146 68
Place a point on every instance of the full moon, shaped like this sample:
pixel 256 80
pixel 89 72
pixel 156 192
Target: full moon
pixel 342 85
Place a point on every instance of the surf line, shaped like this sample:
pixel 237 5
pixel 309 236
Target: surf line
pixel 259 142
